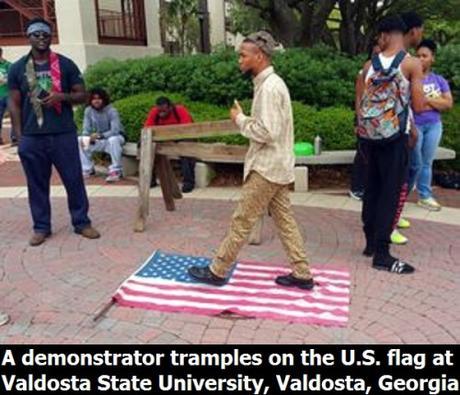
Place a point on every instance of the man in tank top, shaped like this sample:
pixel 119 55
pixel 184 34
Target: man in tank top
pixel 388 161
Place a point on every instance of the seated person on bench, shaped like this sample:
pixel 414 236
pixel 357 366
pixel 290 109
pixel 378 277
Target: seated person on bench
pixel 102 132
pixel 167 113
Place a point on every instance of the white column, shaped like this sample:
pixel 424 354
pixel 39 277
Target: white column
pixel 152 21
pixel 217 21
pixel 78 36
pixel 77 27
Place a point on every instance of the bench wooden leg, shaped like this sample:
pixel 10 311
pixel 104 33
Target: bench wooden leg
pixel 177 194
pixel 161 163
pixel 147 155
pixel 255 238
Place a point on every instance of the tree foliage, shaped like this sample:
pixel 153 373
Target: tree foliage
pixel 348 25
pixel 179 21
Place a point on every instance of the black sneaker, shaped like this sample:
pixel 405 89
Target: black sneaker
pixel 393 265
pixel 186 188
pixel 204 275
pixel 291 281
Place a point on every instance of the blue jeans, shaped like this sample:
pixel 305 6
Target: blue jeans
pixel 3 107
pixel 422 157
pixel 38 154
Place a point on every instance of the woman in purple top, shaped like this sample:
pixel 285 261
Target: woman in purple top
pixel 429 126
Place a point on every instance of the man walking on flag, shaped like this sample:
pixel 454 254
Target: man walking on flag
pixel 268 170
pixel 43 87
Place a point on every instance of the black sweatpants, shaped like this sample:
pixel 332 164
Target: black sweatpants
pixel 386 174
pixel 359 169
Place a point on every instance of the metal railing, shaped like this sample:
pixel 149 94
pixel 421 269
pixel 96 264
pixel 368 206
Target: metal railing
pixel 122 27
pixel 14 19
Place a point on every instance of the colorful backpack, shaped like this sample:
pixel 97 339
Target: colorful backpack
pixel 384 108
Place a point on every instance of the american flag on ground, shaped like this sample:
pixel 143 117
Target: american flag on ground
pixel 163 283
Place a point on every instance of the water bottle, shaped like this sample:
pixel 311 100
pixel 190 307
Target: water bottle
pixel 318 145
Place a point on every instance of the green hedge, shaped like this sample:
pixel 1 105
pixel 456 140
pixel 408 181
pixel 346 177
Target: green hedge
pixel 451 136
pixel 448 65
pixel 333 124
pixel 319 77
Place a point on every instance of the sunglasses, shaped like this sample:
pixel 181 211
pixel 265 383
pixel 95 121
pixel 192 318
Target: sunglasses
pixel 40 34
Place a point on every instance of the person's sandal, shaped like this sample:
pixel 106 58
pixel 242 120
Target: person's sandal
pixel 398 267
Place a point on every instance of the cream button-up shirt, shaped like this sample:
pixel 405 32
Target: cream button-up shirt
pixel 270 130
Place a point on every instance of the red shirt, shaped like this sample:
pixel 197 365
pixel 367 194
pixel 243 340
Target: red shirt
pixel 182 112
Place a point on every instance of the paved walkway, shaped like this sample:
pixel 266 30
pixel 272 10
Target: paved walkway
pixel 52 292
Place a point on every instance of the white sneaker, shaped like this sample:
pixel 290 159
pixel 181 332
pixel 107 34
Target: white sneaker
pixel 430 204
pixel 113 176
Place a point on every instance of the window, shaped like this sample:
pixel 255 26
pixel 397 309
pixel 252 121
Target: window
pixel 14 15
pixel 121 22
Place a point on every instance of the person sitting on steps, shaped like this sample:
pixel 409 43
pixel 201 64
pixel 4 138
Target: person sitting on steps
pixel 165 112
pixel 102 132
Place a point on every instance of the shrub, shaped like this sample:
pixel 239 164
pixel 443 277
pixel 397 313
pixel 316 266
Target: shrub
pixel 318 76
pixel 334 125
pixel 451 137
pixel 133 111
pixel 448 65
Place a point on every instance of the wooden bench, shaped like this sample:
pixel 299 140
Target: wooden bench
pixel 152 140
pixel 160 143
pixel 222 153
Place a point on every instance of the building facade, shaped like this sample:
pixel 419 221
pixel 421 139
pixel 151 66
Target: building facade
pixel 85 30
pixel 90 30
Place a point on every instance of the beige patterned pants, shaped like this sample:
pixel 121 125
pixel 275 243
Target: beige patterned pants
pixel 258 195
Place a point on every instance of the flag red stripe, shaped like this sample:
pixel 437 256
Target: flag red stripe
pixel 319 279
pixel 324 288
pixel 305 295
pixel 251 291
pixel 253 265
pixel 186 309
pixel 237 302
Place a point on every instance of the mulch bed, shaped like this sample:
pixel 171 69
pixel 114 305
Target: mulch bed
pixel 320 177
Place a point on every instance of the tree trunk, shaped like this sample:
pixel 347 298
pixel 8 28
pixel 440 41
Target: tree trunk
pixel 355 34
pixel 347 37
pixel 283 23
pixel 313 23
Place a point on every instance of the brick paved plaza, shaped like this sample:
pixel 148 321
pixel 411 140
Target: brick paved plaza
pixel 52 292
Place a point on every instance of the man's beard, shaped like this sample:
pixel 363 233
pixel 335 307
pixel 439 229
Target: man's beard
pixel 247 75
pixel 42 50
